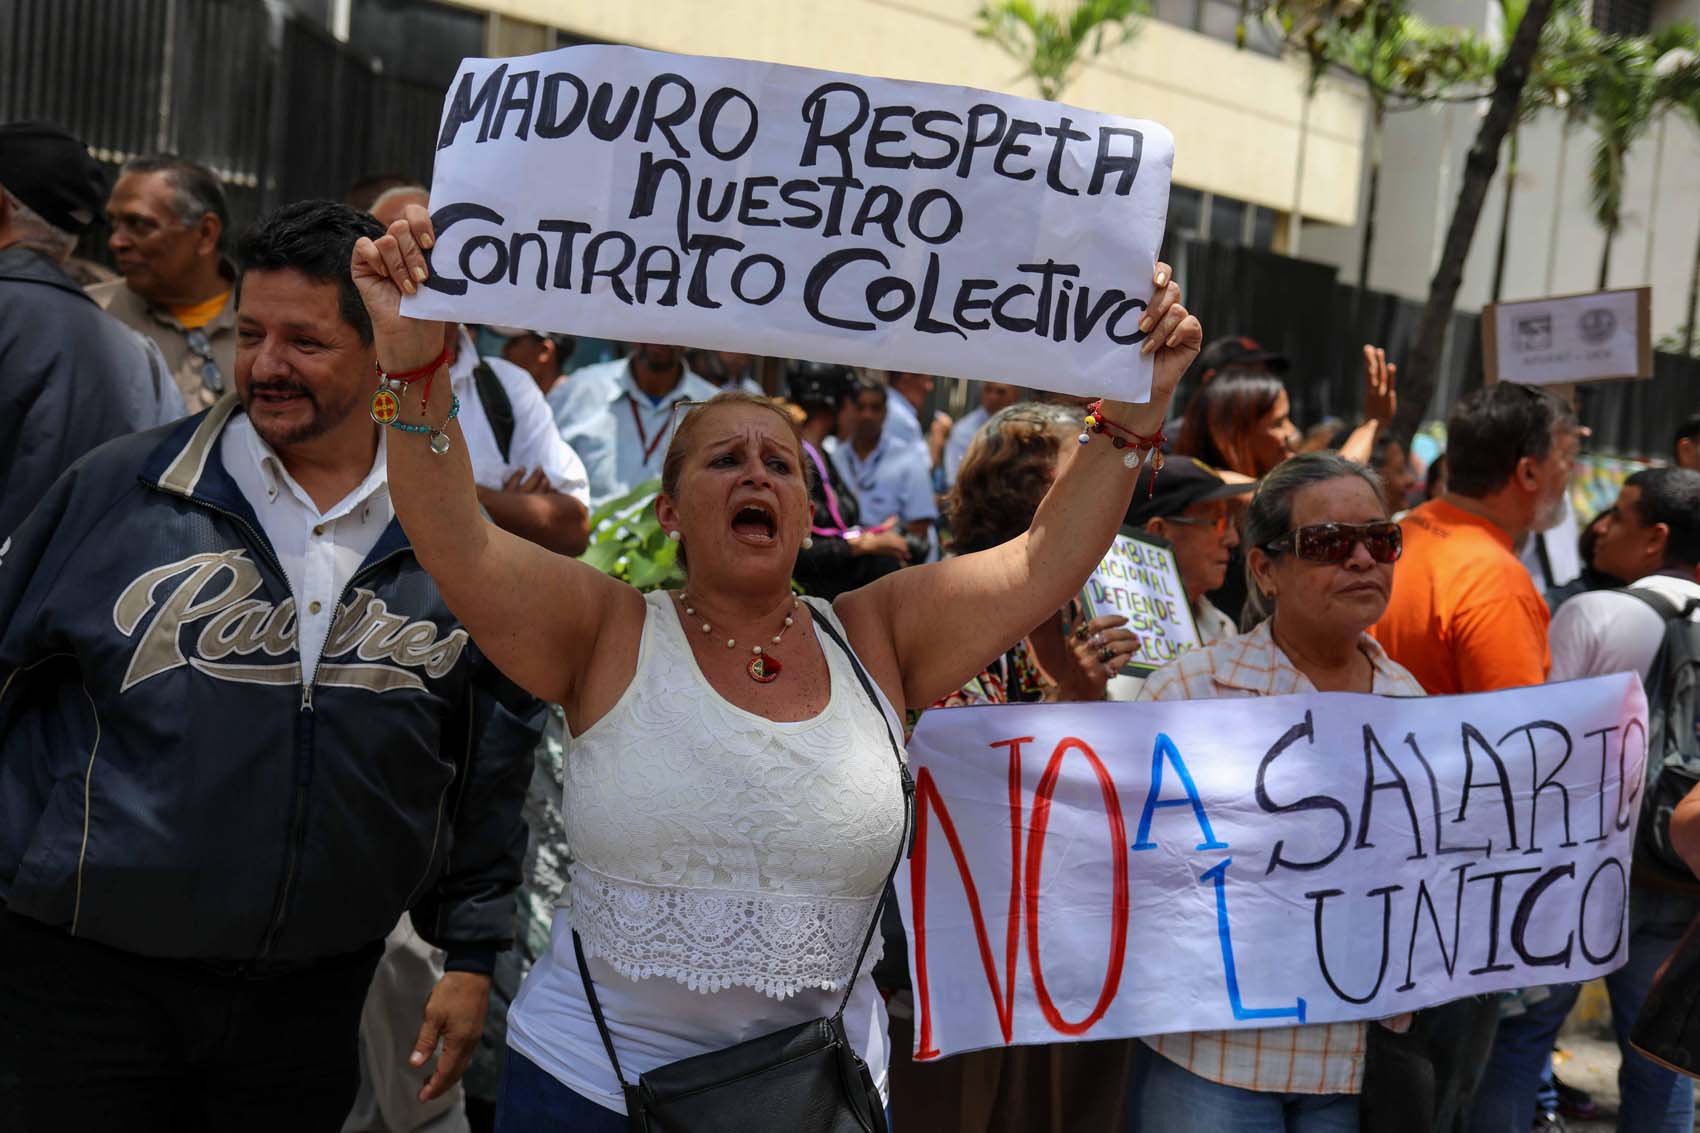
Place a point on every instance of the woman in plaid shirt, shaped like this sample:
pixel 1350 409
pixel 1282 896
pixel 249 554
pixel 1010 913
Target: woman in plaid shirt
pixel 1319 568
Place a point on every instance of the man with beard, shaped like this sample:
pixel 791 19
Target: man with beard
pixel 619 415
pixel 240 733
pixel 1466 617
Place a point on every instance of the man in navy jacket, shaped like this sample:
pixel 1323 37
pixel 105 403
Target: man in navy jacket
pixel 240 733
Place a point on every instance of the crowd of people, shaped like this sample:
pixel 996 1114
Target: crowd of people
pixel 336 792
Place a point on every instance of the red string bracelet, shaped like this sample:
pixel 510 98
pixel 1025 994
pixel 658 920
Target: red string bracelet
pixel 1123 437
pixel 386 403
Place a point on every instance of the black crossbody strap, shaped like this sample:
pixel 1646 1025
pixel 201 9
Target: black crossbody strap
pixel 874 923
pixel 908 802
pixel 596 1009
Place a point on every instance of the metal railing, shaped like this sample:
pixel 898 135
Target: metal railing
pixel 264 97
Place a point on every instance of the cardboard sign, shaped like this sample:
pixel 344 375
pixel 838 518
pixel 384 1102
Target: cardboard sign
pixel 1140 580
pixel 1096 870
pixel 1569 338
pixel 774 210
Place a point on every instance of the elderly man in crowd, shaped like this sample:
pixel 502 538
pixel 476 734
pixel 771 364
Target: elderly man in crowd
pixel 71 378
pixel 169 220
pixel 241 734
pixel 619 415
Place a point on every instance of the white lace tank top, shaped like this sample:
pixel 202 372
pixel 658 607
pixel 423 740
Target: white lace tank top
pixel 720 849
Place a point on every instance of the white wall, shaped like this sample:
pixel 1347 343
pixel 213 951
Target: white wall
pixel 1425 151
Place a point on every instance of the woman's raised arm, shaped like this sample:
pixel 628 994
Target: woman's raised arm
pixel 537 615
pixel 933 627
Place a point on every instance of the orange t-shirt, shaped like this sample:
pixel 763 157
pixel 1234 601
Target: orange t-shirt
pixel 1465 615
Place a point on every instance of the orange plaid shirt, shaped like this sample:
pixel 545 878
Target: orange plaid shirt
pixel 1317 1058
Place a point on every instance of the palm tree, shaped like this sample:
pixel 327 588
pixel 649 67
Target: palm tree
pixel 1568 45
pixel 1691 108
pixel 1402 61
pixel 1509 79
pixel 1048 43
pixel 1626 91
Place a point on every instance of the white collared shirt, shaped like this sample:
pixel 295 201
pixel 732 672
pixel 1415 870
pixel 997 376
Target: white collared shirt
pixel 616 428
pixel 536 442
pixel 891 480
pixel 902 424
pixel 319 551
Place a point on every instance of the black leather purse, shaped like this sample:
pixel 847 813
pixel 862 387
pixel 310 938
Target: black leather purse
pixel 803 1079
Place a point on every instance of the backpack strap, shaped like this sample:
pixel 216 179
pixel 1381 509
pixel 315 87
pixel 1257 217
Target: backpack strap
pixel 1663 606
pixel 498 407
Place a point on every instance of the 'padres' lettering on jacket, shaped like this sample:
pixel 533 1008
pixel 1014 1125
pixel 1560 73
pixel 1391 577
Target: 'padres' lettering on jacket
pixel 212 590
pixel 172 784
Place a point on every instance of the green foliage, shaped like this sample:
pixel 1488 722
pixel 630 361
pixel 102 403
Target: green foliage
pixel 1048 43
pixel 626 541
pixel 1632 81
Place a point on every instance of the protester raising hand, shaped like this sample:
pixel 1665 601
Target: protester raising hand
pixel 1381 402
pixel 794 820
pixel 1097 651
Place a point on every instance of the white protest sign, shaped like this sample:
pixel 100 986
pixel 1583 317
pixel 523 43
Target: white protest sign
pixel 1140 580
pixel 1569 338
pixel 775 210
pixel 1091 871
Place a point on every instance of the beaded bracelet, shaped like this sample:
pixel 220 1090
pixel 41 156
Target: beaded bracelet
pixel 1123 437
pixel 439 439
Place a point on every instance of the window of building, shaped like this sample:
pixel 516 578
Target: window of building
pixel 1263 225
pixel 1622 17
pixel 1227 220
pixel 416 39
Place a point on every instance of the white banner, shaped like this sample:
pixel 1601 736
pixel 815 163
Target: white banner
pixel 1090 871
pixel 747 206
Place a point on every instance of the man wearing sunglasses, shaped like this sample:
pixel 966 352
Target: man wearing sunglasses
pixel 168 218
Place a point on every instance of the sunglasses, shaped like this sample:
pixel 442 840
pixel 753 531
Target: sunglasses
pixel 1335 542
pixel 196 341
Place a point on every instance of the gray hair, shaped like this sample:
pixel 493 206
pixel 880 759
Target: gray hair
pixel 196 190
pixel 37 232
pixel 391 194
pixel 1271 513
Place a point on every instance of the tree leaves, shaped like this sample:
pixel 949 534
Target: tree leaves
pixel 1048 43
pixel 626 541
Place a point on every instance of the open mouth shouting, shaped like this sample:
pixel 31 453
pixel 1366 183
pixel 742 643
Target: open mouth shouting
pixel 755 523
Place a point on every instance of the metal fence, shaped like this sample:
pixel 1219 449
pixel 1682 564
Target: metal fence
pixel 264 97
pixel 1302 309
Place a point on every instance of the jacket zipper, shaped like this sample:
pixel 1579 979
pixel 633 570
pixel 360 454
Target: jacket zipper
pixel 304 759
pixel 304 728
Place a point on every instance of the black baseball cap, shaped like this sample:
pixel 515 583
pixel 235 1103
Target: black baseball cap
pixel 1182 483
pixel 819 383
pixel 1236 351
pixel 51 171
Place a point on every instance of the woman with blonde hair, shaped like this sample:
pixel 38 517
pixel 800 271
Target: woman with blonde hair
pixel 732 796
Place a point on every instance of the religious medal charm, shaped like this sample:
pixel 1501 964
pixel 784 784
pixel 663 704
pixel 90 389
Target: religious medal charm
pixel 386 406
pixel 439 442
pixel 763 669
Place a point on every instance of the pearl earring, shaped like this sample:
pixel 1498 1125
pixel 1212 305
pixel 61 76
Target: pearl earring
pixel 808 541
pixel 674 535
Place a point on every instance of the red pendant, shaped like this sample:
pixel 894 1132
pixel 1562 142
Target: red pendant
pixel 764 669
